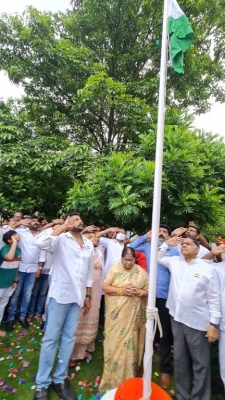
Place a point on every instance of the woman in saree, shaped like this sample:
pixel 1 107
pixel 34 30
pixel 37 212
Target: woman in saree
pixel 88 324
pixel 126 290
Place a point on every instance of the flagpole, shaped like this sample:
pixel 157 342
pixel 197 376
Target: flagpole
pixel 156 208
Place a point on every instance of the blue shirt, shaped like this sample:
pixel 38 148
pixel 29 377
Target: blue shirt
pixel 163 274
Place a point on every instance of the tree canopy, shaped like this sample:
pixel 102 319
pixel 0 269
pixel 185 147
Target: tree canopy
pixel 92 74
pixel 119 187
pixel 83 133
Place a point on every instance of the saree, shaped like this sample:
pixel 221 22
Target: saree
pixel 125 318
pixel 88 324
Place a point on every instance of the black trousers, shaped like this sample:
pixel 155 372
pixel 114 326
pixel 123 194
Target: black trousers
pixel 167 340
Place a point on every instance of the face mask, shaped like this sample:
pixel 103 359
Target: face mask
pixel 120 236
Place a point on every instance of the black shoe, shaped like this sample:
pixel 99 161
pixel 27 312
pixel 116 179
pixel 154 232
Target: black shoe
pixel 9 326
pixel 41 394
pixel 64 390
pixel 24 323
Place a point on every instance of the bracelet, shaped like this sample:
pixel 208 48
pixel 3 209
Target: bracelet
pixel 15 282
pixel 140 293
pixel 119 291
pixel 40 268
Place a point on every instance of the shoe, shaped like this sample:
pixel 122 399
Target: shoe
pixel 41 394
pixel 9 326
pixel 24 323
pixel 64 390
pixel 165 380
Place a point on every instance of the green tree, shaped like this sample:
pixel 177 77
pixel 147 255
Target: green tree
pixel 30 176
pixel 91 74
pixel 118 188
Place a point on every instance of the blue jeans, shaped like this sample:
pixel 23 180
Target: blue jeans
pixel 62 321
pixel 25 285
pixel 38 297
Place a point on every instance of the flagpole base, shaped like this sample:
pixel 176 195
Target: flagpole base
pixel 132 389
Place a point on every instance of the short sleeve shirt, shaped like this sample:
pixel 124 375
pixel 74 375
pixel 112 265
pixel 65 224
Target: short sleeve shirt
pixel 8 269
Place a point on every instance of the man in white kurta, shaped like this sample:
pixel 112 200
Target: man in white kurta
pixel 194 306
pixel 70 290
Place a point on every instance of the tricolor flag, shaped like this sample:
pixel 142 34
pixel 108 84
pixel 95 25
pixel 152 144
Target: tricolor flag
pixel 180 36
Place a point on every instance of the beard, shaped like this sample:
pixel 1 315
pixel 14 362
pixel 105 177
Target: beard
pixel 34 227
pixel 78 228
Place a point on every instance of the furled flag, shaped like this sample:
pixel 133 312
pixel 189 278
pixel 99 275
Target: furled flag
pixel 180 36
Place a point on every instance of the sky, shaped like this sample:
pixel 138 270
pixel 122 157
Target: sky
pixel 213 121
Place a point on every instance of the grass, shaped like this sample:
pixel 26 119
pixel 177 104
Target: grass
pixel 21 347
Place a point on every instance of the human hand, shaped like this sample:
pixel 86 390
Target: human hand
pixel 14 240
pixel 58 221
pixel 212 334
pixel 69 222
pixel 24 222
pixel 173 241
pixel 86 306
pixel 14 286
pixel 127 290
pixel 218 250
pixel 135 291
pixel 114 229
pixel 178 231
pixel 38 273
pixel 149 234
pixel 90 229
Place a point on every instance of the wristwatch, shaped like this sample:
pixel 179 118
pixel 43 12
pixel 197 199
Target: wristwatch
pixel 215 325
pixel 89 296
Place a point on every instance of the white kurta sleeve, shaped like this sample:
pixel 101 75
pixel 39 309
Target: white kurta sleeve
pixel 47 242
pixel 214 298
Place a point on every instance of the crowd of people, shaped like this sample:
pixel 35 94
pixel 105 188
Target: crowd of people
pixel 71 279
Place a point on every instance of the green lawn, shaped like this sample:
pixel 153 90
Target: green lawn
pixel 19 352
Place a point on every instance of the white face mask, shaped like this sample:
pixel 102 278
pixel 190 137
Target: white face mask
pixel 120 236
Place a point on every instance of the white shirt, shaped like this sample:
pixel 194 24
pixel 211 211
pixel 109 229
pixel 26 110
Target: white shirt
pixel 31 255
pixel 114 250
pixel 202 251
pixel 194 292
pixel 72 267
pixel 220 269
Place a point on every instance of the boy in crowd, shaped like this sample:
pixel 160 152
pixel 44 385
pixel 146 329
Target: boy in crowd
pixel 9 260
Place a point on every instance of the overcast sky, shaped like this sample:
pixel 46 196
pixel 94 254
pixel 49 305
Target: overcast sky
pixel 213 121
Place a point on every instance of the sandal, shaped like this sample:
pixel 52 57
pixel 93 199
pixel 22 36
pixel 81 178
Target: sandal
pixel 88 356
pixel 72 364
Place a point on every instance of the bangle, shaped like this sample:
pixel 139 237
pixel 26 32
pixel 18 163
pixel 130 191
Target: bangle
pixel 15 282
pixel 119 291
pixel 40 268
pixel 140 293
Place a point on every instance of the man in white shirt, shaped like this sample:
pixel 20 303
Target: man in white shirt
pixel 220 269
pixel 69 291
pixel 194 306
pixel 30 268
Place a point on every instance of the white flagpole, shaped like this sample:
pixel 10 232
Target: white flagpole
pixel 156 209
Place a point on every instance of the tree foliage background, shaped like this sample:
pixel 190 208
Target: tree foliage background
pixel 83 133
